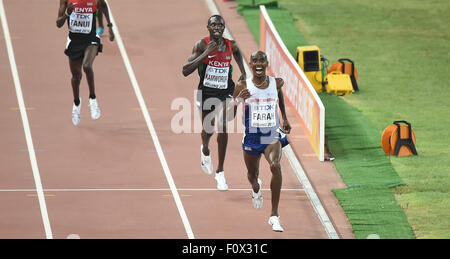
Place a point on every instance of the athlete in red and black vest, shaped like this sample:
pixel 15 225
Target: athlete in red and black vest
pixel 83 45
pixel 212 56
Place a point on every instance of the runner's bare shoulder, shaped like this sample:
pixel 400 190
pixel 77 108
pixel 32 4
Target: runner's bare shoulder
pixel 234 45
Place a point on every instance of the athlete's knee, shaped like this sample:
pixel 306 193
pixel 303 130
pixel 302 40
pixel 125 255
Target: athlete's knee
pixel 208 127
pixel 222 136
pixel 76 77
pixel 206 134
pixel 222 128
pixel 87 67
pixel 275 167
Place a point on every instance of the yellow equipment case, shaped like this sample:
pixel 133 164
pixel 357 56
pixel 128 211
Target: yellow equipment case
pixel 346 66
pixel 308 58
pixel 338 83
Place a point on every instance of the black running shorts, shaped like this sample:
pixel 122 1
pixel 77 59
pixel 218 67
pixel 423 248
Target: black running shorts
pixel 208 98
pixel 75 48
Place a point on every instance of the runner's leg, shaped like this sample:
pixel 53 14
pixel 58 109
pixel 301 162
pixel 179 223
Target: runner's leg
pixel 89 56
pixel 252 164
pixel 206 131
pixel 75 69
pixel 273 156
pixel 222 137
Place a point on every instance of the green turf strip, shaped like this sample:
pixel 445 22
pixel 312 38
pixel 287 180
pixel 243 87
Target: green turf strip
pixel 373 210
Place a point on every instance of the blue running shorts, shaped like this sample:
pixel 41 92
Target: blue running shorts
pixel 256 143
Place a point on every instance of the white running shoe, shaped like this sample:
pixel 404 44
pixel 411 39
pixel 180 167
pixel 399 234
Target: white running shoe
pixel 95 110
pixel 275 222
pixel 76 114
pixel 257 198
pixel 206 162
pixel 221 182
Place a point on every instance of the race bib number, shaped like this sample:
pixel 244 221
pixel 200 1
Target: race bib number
pixel 216 77
pixel 263 115
pixel 81 22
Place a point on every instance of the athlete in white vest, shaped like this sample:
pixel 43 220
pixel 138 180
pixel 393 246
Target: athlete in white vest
pixel 261 96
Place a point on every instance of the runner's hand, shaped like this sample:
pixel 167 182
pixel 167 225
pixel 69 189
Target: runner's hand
pixel 286 126
pixel 212 45
pixel 111 34
pixel 244 94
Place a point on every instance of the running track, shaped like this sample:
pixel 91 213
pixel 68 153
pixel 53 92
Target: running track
pixel 116 177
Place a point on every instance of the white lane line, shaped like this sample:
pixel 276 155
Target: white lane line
pixel 26 126
pixel 315 201
pixel 320 211
pixel 151 129
pixel 137 189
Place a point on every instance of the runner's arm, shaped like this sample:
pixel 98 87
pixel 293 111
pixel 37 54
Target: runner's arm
pixel 239 59
pixel 105 11
pixel 62 14
pixel 100 18
pixel 240 93
pixel 286 126
pixel 241 85
pixel 199 53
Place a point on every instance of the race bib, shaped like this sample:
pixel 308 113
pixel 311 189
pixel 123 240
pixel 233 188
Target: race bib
pixel 216 77
pixel 81 22
pixel 263 114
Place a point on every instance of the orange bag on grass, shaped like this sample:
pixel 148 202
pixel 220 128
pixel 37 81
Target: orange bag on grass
pixel 399 140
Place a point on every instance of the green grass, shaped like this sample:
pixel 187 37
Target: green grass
pixel 401 50
pixel 291 35
pixel 375 211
